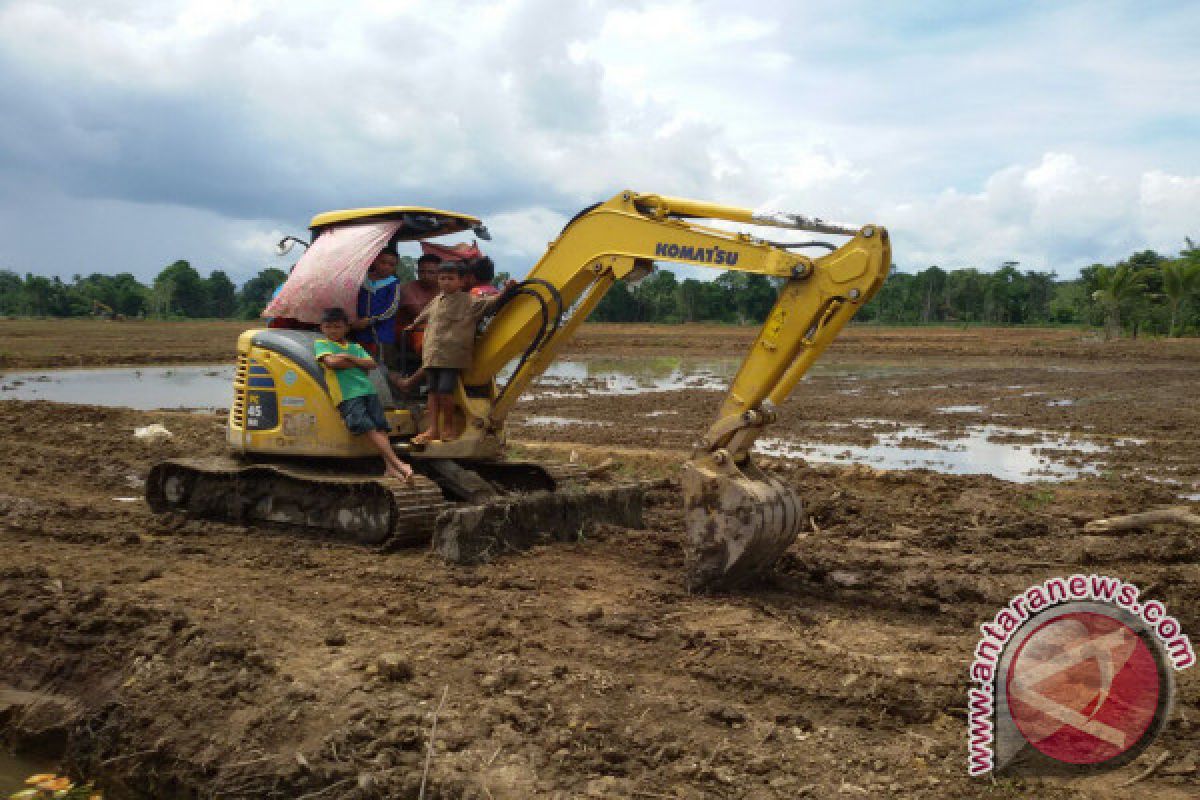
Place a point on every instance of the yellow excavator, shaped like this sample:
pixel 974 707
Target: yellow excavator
pixel 293 461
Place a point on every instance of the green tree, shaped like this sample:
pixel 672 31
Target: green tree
pixel 221 295
pixel 406 269
pixel 1181 280
pixel 123 293
pixel 659 294
pixel 1068 302
pixel 620 304
pixel 965 291
pixel 1036 295
pixel 1118 287
pixel 129 296
pixel 11 288
pixel 930 286
pixel 257 291
pixel 179 289
pixel 750 296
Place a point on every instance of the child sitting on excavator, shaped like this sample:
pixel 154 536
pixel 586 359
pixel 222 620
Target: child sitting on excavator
pixel 351 390
pixel 450 322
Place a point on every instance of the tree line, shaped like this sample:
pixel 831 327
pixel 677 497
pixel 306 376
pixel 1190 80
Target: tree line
pixel 178 292
pixel 1145 293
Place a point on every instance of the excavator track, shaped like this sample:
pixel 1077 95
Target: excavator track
pixel 360 508
pixel 369 510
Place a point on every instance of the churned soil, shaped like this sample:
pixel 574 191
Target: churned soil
pixel 164 657
pixel 34 343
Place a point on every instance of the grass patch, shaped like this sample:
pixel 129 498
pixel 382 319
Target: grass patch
pixel 1037 499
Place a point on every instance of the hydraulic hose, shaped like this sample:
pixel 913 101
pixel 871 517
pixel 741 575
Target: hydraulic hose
pixel 549 322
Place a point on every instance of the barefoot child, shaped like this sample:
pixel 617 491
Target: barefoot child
pixel 351 390
pixel 450 322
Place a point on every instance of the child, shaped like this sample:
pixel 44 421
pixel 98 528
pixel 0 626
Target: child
pixel 351 389
pixel 450 322
pixel 378 302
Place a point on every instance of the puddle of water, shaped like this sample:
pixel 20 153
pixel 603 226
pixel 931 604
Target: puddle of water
pixel 144 388
pixel 634 376
pixel 980 449
pixel 967 409
pixel 1192 496
pixel 210 386
pixel 1063 402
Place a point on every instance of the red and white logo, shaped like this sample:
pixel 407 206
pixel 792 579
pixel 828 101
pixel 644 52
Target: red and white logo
pixel 1074 673
pixel 1083 688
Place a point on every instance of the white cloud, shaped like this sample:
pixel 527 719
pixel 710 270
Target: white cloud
pixel 1170 207
pixel 1056 214
pixel 256 243
pixel 976 134
pixel 521 237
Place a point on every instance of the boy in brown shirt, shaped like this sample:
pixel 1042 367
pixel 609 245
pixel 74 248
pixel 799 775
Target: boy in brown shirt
pixel 450 322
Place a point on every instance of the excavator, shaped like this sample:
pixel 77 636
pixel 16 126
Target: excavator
pixel 293 462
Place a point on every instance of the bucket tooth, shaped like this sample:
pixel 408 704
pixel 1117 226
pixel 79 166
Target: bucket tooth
pixel 739 522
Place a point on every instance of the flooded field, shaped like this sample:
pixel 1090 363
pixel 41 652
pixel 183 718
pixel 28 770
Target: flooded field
pixel 207 387
pixel 1022 454
pixel 942 471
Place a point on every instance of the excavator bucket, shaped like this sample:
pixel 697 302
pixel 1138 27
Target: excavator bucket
pixel 739 522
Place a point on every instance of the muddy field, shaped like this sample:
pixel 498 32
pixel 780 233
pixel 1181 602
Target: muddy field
pixel 168 658
pixel 26 344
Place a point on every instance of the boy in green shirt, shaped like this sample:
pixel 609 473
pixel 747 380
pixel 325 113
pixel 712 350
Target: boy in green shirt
pixel 351 389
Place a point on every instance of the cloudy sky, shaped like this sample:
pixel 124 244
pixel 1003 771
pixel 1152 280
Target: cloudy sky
pixel 133 133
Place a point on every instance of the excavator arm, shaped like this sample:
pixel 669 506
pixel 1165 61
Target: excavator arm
pixel 739 520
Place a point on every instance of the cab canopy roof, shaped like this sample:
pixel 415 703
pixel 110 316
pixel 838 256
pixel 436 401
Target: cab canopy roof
pixel 418 222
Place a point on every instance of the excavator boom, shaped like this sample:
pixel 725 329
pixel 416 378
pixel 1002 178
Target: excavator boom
pixel 739 520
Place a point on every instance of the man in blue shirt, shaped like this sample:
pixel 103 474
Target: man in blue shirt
pixel 378 302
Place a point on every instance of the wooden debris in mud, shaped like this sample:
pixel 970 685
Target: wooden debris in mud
pixel 1177 514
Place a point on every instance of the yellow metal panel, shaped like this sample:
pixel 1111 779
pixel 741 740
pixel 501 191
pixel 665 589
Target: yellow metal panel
pixel 462 221
pixel 611 234
pixel 278 408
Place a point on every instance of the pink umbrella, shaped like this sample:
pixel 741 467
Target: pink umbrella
pixel 331 271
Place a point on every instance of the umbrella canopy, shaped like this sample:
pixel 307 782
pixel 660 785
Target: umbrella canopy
pixel 331 271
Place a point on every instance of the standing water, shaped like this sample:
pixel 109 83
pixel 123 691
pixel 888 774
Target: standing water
pixel 143 388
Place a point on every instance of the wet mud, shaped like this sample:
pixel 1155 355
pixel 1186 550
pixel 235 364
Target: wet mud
pixel 171 658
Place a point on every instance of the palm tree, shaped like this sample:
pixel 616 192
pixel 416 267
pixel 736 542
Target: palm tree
pixel 1117 285
pixel 1180 282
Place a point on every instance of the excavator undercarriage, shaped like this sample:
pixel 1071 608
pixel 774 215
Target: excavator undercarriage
pixel 470 513
pixel 293 463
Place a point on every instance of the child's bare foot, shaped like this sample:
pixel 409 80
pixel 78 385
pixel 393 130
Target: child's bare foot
pixel 405 477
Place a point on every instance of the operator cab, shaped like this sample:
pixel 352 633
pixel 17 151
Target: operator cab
pixel 294 340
